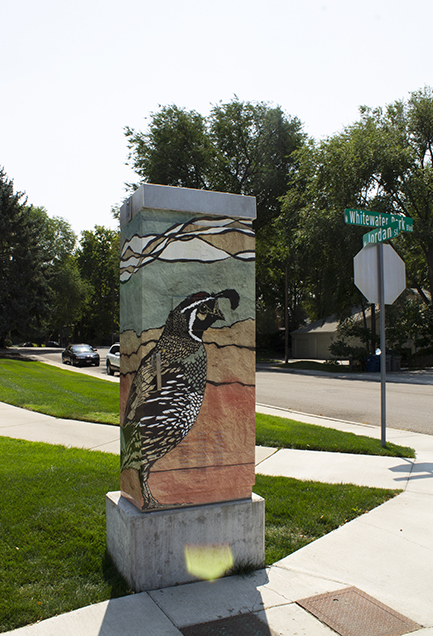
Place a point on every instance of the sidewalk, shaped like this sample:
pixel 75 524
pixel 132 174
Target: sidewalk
pixel 406 376
pixel 386 553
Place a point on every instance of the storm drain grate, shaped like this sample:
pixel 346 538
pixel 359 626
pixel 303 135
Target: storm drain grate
pixel 351 612
pixel 240 625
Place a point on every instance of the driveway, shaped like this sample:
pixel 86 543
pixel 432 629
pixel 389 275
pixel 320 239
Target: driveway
pixel 54 356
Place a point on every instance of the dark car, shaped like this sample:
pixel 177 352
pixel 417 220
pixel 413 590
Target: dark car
pixel 80 354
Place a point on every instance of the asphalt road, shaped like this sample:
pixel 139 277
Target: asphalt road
pixel 355 398
pixel 351 397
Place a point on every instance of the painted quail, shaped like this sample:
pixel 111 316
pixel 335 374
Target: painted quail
pixel 168 389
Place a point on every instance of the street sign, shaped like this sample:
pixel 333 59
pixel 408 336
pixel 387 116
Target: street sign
pixel 380 274
pixel 366 268
pixel 405 223
pixel 366 218
pixel 382 234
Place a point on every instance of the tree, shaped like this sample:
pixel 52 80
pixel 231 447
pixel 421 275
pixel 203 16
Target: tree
pixel 175 150
pixel 68 291
pixel 24 290
pixel 98 263
pixel 390 169
pixel 312 228
pixel 242 147
pixel 58 240
pixel 254 144
pixel 70 295
pixel 383 162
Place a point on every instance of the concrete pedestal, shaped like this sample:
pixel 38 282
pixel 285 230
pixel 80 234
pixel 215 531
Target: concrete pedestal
pixel 149 548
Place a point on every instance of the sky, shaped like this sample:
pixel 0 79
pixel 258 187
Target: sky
pixel 74 74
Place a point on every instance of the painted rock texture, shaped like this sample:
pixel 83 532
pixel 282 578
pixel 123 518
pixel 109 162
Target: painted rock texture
pixel 187 359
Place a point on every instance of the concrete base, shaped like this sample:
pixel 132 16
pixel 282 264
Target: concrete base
pixel 149 549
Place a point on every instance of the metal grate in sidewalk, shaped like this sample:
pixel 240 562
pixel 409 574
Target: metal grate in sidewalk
pixel 240 625
pixel 351 612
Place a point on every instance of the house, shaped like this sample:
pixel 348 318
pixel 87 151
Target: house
pixel 313 340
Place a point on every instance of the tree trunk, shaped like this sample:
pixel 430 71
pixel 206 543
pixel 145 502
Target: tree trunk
pixel 430 269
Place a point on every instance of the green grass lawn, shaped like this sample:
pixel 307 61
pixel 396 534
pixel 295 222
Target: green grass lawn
pixel 67 394
pixel 285 433
pixel 52 531
pixel 59 392
pixel 52 526
pixel 298 512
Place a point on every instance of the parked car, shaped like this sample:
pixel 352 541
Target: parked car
pixel 80 354
pixel 113 359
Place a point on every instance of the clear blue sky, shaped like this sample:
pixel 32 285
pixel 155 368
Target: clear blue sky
pixel 75 73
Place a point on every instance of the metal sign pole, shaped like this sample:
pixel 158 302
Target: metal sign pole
pixel 382 344
pixel 369 274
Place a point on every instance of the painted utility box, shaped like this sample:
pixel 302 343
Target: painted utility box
pixel 187 385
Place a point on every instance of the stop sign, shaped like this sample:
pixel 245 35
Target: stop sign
pixel 366 270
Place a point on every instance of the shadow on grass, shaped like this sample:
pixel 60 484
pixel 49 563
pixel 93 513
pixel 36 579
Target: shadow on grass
pixel 118 585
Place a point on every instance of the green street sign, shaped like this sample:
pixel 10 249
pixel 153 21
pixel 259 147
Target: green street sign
pixel 367 218
pixel 382 234
pixel 405 223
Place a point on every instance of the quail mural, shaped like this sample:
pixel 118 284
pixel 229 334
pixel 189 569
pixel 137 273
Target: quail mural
pixel 187 359
pixel 168 389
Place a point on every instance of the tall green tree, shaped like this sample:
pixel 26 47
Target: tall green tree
pixel 24 289
pixel 68 291
pixel 382 162
pixel 254 143
pixel 98 263
pixel 279 283
pixel 241 147
pixel 175 150
pixel 318 247
pixel 58 240
pixel 70 296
